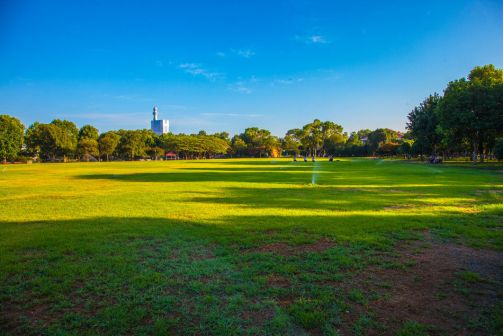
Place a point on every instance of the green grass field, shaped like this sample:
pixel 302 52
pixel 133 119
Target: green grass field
pixel 258 247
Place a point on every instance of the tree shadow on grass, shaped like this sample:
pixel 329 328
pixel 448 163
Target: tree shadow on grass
pixel 338 199
pixel 297 175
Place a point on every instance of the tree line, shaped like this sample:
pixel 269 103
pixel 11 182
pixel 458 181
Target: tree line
pixel 62 140
pixel 466 121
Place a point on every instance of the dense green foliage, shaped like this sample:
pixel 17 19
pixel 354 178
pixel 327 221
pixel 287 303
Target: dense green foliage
pixel 11 137
pixel 234 246
pixel 467 118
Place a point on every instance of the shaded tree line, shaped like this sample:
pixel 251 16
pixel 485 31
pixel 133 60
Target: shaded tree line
pixel 326 138
pixel 61 140
pixel 467 120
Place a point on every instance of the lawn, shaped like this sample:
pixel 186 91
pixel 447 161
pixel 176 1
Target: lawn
pixel 258 247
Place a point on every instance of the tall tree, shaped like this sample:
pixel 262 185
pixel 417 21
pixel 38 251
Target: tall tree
pixel 88 131
pixel 423 124
pixel 292 141
pixel 472 109
pixel 238 146
pixel 11 137
pixel 107 143
pixel 67 137
pixel 135 143
pixel 259 141
pixel 312 139
pixel 46 139
pixel 87 148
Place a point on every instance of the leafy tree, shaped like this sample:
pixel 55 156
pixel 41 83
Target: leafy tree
pixel 354 139
pixel 156 152
pixel 291 143
pixel 134 144
pixel 238 146
pixel 194 146
pixel 88 147
pixel 334 143
pixel 223 136
pixel 46 139
pixel 332 136
pixel 88 131
pixel 11 137
pixel 66 137
pixel 472 109
pixel 107 143
pixel 312 137
pixel 379 137
pixel 406 147
pixel 423 124
pixel 389 148
pixel 259 141
pixel 376 139
pixel 31 139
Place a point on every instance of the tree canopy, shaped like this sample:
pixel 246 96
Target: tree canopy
pixel 11 137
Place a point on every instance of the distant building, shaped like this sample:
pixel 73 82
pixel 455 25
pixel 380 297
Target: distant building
pixel 159 127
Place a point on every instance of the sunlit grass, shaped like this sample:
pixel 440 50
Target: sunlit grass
pixel 165 240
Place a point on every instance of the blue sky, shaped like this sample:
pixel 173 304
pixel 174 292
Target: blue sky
pixel 227 65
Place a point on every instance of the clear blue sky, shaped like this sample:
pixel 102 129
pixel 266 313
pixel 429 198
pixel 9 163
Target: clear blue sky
pixel 227 65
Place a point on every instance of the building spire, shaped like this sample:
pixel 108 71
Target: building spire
pixel 155 113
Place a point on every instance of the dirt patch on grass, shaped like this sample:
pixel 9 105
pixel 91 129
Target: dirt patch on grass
pixel 489 191
pixel 431 289
pixel 288 250
pixel 257 316
pixel 37 316
pixel 399 207
pixel 409 206
pixel 275 280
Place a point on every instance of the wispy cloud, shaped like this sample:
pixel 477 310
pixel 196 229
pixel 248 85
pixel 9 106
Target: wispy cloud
pixel 244 53
pixel 287 81
pixel 312 39
pixel 240 87
pixel 197 70
pixel 243 86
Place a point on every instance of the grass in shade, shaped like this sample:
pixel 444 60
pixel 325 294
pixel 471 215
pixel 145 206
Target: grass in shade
pixel 244 246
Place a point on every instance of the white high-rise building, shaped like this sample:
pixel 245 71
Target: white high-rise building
pixel 159 127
